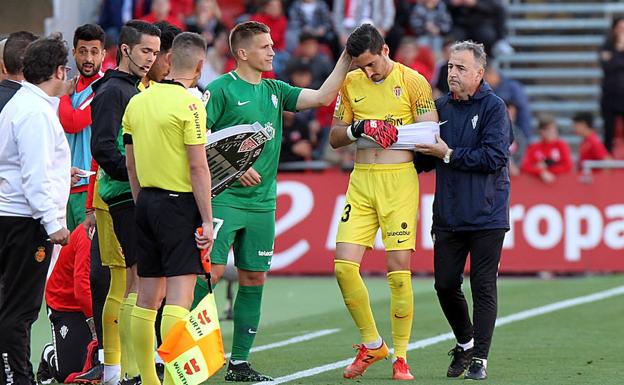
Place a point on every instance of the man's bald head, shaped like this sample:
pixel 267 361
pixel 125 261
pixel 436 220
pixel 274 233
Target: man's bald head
pixel 188 50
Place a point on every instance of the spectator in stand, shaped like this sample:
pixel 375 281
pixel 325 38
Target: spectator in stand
pixel 68 296
pixel 312 17
pixel 161 11
pixel 301 129
pixel 216 57
pixel 440 82
pixel 417 57
pixel 482 21
pixel 308 54
pixel 430 20
pixel 549 157
pixel 206 21
pixel 349 14
pixel 272 14
pixel 519 144
pixel 612 62
pixel 513 91
pixel 591 147
pixel 115 13
pixel 182 8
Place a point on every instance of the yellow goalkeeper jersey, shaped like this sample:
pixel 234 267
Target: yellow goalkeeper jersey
pixel 398 99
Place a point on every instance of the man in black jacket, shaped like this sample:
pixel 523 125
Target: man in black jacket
pixel 471 205
pixel 13 55
pixel 139 43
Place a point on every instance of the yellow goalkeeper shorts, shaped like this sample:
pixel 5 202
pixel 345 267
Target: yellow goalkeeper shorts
pixel 381 196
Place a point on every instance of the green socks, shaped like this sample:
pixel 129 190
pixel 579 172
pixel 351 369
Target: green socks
pixel 246 320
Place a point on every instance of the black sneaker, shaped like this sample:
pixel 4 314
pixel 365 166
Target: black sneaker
pixel 45 375
pixel 459 363
pixel 243 372
pixel 91 376
pixel 136 380
pixel 160 371
pixel 476 371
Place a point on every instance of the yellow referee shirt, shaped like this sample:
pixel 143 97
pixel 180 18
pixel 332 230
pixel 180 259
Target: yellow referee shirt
pixel 161 121
pixel 398 99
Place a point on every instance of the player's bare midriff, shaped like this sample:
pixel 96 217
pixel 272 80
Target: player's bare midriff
pixel 379 156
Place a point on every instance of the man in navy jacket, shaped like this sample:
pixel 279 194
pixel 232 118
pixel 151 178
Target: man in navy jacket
pixel 471 205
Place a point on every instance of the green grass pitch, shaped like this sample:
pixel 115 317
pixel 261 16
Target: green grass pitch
pixel 579 344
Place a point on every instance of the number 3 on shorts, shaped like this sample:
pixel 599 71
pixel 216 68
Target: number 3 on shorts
pixel 216 226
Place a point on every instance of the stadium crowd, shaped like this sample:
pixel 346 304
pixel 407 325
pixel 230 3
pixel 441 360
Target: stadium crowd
pixel 101 316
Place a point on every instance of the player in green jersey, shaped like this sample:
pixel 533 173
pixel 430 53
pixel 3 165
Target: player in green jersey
pixel 244 214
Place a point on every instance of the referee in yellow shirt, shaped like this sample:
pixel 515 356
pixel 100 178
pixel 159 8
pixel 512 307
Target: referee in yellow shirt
pixel 165 133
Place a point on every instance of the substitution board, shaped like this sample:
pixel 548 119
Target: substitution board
pixel 231 151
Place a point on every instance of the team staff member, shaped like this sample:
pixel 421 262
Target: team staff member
pixel 245 212
pixel 75 112
pixel 139 43
pixel 471 204
pixel 383 191
pixel 14 49
pixel 165 133
pixel 35 177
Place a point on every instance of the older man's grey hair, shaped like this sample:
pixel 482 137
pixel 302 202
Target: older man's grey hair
pixel 477 49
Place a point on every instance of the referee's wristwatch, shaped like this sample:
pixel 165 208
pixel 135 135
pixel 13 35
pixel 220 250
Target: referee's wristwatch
pixel 447 156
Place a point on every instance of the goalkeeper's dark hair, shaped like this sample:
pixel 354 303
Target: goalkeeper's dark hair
pixel 243 32
pixel 365 38
pixel 168 32
pixel 89 32
pixel 14 50
pixel 584 117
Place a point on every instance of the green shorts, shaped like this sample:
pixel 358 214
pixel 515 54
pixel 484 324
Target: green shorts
pixel 249 233
pixel 76 211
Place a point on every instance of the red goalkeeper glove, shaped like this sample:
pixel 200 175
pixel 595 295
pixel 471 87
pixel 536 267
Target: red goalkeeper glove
pixel 383 133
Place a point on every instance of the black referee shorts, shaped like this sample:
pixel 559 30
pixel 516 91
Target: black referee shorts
pixel 125 229
pixel 166 225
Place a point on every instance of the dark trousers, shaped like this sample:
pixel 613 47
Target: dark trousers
pixel 99 278
pixel 24 261
pixel 450 252
pixel 124 225
pixel 71 335
pixel 609 117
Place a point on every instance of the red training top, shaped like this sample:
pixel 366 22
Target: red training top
pixel 68 289
pixel 556 155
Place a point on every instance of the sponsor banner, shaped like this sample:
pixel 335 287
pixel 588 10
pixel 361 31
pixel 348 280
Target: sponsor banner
pixel 569 226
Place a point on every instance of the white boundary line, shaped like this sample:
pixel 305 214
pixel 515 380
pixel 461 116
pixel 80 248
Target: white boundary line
pixel 294 340
pixel 449 336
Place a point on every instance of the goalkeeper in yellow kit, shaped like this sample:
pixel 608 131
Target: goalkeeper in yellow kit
pixel 383 190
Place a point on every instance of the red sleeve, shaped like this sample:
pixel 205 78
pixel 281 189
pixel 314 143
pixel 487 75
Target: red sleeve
pixel 599 149
pixel 82 269
pixel 529 163
pixel 565 164
pixel 91 188
pixel 73 120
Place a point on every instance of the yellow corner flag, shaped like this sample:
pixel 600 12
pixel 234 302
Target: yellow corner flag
pixel 193 348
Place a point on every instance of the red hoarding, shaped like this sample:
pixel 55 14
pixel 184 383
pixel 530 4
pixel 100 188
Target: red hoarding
pixel 568 226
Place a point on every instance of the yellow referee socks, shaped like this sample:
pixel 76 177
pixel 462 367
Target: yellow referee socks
pixel 401 309
pixel 110 316
pixel 143 340
pixel 356 299
pixel 171 314
pixel 128 364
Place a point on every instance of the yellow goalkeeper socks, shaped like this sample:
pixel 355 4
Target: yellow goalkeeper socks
pixel 356 299
pixel 128 364
pixel 401 310
pixel 110 316
pixel 143 339
pixel 171 314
